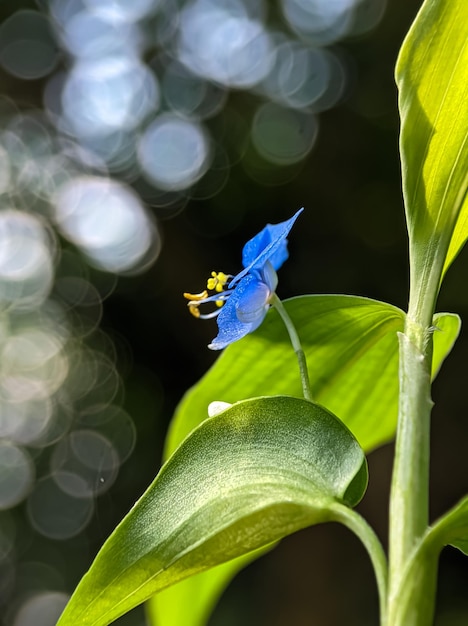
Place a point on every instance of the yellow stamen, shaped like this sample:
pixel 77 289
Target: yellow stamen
pixel 217 281
pixel 195 297
pixel 193 308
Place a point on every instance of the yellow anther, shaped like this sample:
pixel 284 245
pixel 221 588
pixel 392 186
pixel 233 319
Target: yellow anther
pixel 193 308
pixel 196 297
pixel 217 281
pixel 219 303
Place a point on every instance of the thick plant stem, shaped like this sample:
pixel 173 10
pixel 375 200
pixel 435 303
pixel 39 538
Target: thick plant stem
pixel 410 481
pixel 296 344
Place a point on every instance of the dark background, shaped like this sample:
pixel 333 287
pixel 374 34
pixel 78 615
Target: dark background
pixel 352 240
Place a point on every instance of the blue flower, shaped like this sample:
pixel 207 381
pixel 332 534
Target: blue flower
pixel 242 301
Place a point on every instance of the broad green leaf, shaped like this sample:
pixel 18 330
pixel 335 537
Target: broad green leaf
pixel 245 478
pixel 191 601
pixel 432 78
pixel 351 350
pixel 450 529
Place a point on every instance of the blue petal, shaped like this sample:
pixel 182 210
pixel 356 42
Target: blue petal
pixel 249 300
pixel 254 248
pixel 269 276
pixel 268 245
pixel 252 304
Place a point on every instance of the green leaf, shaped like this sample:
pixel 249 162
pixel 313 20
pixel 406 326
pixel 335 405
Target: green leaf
pixel 352 353
pixel 191 601
pixel 432 78
pixel 245 478
pixel 452 528
pixel 420 576
pixel 351 348
pixel 446 330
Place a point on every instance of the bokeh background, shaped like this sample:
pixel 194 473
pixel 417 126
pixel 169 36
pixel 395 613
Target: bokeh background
pixel 141 144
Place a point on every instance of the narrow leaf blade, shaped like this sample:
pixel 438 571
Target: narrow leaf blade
pixel 432 78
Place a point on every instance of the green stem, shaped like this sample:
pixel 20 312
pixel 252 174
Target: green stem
pixel 410 481
pixel 358 525
pixel 279 306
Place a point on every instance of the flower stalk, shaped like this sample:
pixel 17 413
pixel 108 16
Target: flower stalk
pixel 358 525
pixel 296 344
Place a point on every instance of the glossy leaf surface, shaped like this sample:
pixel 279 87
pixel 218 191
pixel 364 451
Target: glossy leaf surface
pixel 351 348
pixel 432 78
pixel 245 478
pixel 352 353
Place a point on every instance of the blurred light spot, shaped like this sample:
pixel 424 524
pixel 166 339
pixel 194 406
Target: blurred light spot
pixel 51 317
pixel 63 10
pixel 164 27
pixel 320 23
pixel 34 576
pixel 123 10
pixel 337 85
pixel 113 423
pixel 116 148
pixel 16 475
pixel 107 221
pixel 283 136
pixel 89 36
pixel 92 379
pixel 36 177
pixel 56 514
pixel 84 464
pixel 109 94
pixel 367 14
pixel 33 130
pixel 190 95
pixel 82 302
pixel 7 536
pixel 77 159
pixel 300 75
pixel 215 178
pixel 167 203
pixel 27 47
pixel 42 609
pixel 232 132
pixel 173 153
pixel 5 171
pixel 223 43
pixel 28 140
pixel 24 422
pixel 106 384
pixel 56 427
pixel 32 365
pixel 26 269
